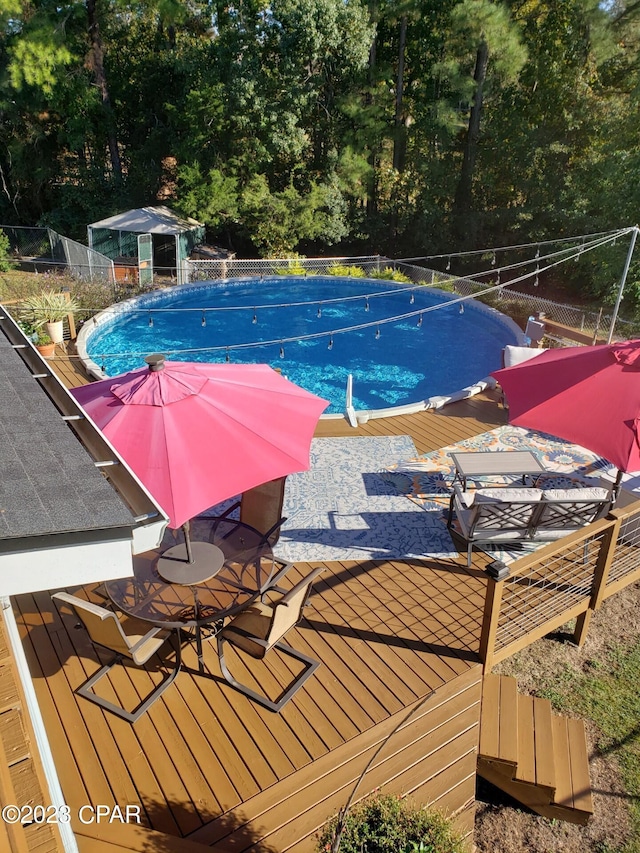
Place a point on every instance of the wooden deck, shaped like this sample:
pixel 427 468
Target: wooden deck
pixel 396 702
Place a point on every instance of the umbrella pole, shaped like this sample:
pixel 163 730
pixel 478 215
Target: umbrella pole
pixel 187 542
pixel 616 485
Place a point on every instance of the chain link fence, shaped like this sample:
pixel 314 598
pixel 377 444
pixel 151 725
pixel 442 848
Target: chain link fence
pixel 43 249
pixel 520 306
pixel 207 270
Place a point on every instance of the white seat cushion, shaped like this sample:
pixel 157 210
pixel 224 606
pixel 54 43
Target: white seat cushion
pixel 586 494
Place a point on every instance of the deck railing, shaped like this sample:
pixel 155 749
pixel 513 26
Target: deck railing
pixel 567 579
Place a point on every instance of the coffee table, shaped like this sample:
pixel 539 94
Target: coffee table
pixel 495 463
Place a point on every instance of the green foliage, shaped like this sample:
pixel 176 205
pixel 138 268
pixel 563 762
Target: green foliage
pixel 390 274
pixel 5 247
pixel 293 267
pixel 346 271
pixel 278 125
pixel 277 221
pixel 211 199
pixel 387 824
pixel 48 306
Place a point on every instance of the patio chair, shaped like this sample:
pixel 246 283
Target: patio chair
pixel 260 628
pixel 127 638
pixel 261 508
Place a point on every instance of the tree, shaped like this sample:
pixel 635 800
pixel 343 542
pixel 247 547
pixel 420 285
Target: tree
pixel 484 30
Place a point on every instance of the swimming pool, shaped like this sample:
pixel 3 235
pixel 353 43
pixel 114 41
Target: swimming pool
pixel 340 327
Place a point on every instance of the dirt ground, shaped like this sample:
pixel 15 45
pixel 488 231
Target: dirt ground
pixel 502 825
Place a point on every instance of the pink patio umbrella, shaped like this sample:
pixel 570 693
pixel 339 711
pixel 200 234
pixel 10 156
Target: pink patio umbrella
pixel 587 395
pixel 196 434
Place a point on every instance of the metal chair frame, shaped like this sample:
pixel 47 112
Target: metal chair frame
pixel 81 607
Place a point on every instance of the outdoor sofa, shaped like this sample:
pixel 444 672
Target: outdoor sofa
pixel 508 515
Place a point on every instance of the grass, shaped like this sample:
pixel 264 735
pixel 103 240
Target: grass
pixel 606 692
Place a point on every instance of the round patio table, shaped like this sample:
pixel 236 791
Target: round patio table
pixel 233 580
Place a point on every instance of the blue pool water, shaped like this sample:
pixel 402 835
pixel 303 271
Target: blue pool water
pixel 392 364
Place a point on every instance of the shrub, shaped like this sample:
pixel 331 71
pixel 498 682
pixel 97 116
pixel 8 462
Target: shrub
pixel 5 249
pixel 293 267
pixel 346 270
pixel 388 824
pixel 391 275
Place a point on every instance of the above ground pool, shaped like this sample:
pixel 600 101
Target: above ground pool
pixel 339 327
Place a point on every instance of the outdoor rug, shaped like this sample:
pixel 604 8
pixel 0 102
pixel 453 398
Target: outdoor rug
pixel 426 480
pixel 342 508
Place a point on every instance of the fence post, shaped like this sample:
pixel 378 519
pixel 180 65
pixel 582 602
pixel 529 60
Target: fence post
pixel 497 572
pixel 70 317
pixel 600 577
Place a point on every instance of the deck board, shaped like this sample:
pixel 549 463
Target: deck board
pixel 387 633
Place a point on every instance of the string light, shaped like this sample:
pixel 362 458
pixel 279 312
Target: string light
pixel 448 263
pixel 461 308
pixel 550 261
pixel 255 317
pixel 203 322
pixel 536 280
pixel 537 252
pixel 493 260
pixel 412 299
pixel 150 320
pixel 226 357
pixel 366 303
pixel 320 310
pixel 330 341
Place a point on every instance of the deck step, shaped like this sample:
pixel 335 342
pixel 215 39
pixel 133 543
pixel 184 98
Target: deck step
pixel 532 754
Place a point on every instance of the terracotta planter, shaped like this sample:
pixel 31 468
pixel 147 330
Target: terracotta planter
pixel 46 350
pixel 55 332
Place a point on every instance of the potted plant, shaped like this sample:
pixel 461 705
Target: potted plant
pixel 29 329
pixel 49 308
pixel 45 346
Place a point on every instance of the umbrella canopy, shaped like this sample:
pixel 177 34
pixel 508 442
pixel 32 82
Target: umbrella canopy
pixel 195 434
pixel 587 395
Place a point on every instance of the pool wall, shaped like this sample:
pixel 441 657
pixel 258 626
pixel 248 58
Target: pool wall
pixel 353 416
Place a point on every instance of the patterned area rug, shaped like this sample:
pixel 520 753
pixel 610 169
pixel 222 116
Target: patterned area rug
pixel 344 508
pixel 426 480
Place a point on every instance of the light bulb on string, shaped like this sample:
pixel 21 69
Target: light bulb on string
pixel 461 309
pixel 330 345
pixel 377 333
pixel 281 351
pixel 536 280
pixel 320 310
pixel 103 367
pixel 420 321
pixel 255 317
pixel 537 252
pixel 493 260
pixel 449 263
pixel 498 281
pixel 412 299
pixel 150 320
pixel 366 303
pixel 226 356
pixel 203 322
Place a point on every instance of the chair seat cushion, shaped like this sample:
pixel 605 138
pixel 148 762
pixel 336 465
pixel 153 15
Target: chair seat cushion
pixel 255 620
pixel 502 494
pixel 589 494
